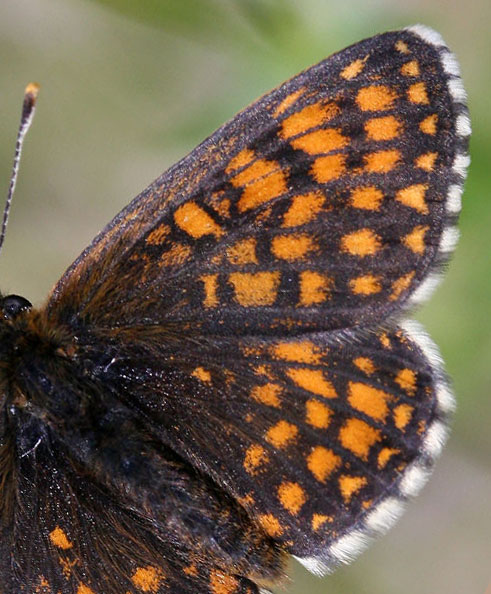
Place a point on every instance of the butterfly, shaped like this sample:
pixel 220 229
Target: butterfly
pixel 225 376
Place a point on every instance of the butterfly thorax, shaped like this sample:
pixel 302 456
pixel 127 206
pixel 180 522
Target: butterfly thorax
pixel 31 351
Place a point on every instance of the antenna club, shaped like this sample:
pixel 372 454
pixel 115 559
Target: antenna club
pixel 32 89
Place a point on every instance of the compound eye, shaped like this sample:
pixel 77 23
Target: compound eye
pixel 12 305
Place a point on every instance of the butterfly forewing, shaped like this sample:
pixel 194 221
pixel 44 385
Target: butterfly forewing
pixel 321 206
pixel 243 385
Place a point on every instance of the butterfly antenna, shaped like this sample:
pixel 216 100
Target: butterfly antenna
pixel 28 107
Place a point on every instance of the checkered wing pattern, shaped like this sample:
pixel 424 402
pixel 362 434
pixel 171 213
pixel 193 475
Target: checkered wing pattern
pixel 248 300
pixel 324 205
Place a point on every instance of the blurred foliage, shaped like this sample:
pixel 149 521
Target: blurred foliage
pixel 130 86
pixel 213 21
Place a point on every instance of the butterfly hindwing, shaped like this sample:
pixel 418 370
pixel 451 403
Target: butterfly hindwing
pixel 311 435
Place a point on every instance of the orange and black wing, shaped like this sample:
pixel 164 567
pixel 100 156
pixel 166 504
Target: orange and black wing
pixel 244 307
pixel 324 205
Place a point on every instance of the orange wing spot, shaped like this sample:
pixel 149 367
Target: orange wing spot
pixel 375 98
pixel 240 160
pixel 83 589
pixel 262 216
pixel 210 282
pixel 242 252
pixel 410 68
pixel 229 376
pixel 300 351
pixel 426 161
pixel 202 374
pixel 400 285
pixel 385 341
pixel 303 209
pixel 246 501
pixel 263 190
pixel 176 255
pixel 314 288
pixel 263 181
pixel 282 434
pixel 292 497
pixel 255 457
pixel 158 235
pixel 148 579
pixel 252 351
pixel 365 364
pixel 191 570
pixel 385 455
pixel 385 128
pixel 402 415
pixel 414 197
pixel 255 289
pixel 417 93
pixel 257 170
pixel 358 437
pixel 360 243
pixel 320 141
pixel 264 370
pixel 288 101
pixel 270 524
pixel 369 400
pixel 429 124
pixel 67 566
pixel 365 285
pixel 43 583
pixel 192 219
pixel 402 47
pixel 59 538
pixel 220 583
pixel 319 520
pixel 322 463
pixel 292 247
pixel 139 257
pixel 350 485
pixel 407 380
pixel 325 169
pixel 368 197
pixel 312 380
pixel 317 414
pixel 222 207
pixel 309 117
pixel 267 394
pixel 415 240
pixel 353 69
pixel 382 161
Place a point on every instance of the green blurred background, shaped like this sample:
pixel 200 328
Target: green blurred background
pixel 128 87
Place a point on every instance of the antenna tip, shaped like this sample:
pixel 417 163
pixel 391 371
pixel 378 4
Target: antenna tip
pixel 32 90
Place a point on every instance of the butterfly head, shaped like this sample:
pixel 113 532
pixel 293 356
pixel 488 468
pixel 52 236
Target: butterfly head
pixel 12 306
pixel 15 313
